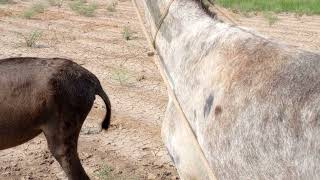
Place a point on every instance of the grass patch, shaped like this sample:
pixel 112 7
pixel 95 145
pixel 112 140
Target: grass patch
pixel 120 75
pixel 127 34
pixel 32 38
pixel 105 173
pixel 111 6
pixel 57 3
pixel 6 2
pixel 83 8
pixel 296 6
pixel 35 9
pixel 270 17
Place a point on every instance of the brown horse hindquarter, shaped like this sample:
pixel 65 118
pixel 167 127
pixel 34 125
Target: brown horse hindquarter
pixel 52 96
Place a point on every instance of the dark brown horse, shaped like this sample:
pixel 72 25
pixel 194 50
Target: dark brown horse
pixel 53 96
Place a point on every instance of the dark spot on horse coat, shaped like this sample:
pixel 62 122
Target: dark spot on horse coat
pixel 218 110
pixel 208 105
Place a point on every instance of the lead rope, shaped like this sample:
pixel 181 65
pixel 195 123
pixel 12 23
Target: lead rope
pixel 170 90
pixel 163 17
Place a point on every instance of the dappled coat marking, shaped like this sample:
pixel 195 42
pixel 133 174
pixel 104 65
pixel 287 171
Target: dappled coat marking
pixel 262 121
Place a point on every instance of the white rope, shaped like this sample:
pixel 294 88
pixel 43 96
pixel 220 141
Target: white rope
pixel 163 17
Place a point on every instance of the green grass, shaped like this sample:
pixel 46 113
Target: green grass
pixel 296 6
pixel 105 173
pixel 57 3
pixel 32 38
pixel 35 9
pixel 121 75
pixel 6 2
pixel 127 33
pixel 83 8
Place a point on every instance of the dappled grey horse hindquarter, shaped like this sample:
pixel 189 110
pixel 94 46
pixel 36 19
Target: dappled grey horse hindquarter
pixel 252 102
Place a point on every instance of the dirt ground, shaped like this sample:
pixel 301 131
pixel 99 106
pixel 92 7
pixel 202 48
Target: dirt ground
pixel 132 148
pixel 298 30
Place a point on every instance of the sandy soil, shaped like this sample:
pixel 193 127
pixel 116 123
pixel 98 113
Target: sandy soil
pixel 298 30
pixel 132 148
